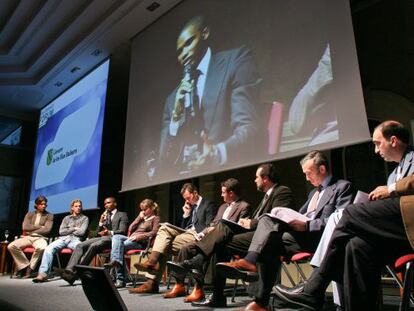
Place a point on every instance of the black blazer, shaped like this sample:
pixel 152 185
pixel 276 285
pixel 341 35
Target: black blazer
pixel 205 215
pixel 280 196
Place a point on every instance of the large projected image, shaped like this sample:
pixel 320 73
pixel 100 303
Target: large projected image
pixel 68 146
pixel 235 83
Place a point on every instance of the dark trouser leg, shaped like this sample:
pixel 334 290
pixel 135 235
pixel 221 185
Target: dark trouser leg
pixel 237 245
pixel 371 233
pixel 95 248
pixel 80 249
pixel 215 239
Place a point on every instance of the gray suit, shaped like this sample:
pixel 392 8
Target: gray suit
pixel 273 239
pixel 85 251
pixel 228 106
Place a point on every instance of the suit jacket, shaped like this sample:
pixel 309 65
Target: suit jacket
pixel 205 214
pixel 119 223
pixel 405 188
pixel 280 196
pixel 228 104
pixel 408 166
pixel 42 229
pixel 240 209
pixel 337 195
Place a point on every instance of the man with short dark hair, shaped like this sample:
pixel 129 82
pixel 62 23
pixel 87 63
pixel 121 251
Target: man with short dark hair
pixel 198 213
pixel 233 209
pixel 36 227
pixel 391 140
pixel 224 239
pixel 212 112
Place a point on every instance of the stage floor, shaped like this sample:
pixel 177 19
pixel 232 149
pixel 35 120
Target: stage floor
pixel 17 294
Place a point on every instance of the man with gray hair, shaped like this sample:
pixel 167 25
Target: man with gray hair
pixel 274 238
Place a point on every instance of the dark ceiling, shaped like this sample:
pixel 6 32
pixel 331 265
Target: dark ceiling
pixel 45 46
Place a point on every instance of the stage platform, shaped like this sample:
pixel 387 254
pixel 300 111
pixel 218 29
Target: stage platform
pixel 18 294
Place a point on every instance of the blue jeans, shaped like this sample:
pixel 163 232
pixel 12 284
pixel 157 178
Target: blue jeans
pixel 120 244
pixel 52 248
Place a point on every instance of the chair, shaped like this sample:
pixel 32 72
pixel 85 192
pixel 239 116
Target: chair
pixel 406 263
pixel 63 251
pixel 296 259
pixel 139 251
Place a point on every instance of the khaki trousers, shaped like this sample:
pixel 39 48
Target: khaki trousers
pixel 16 250
pixel 168 242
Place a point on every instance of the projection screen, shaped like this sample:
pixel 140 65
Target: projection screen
pixel 68 149
pixel 217 85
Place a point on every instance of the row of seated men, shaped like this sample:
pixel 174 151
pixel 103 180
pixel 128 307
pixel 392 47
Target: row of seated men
pixel 262 239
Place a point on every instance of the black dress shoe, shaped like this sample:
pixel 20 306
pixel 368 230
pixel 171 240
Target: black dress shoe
pixel 119 284
pixel 302 299
pixel 69 276
pixel 211 302
pixel 295 289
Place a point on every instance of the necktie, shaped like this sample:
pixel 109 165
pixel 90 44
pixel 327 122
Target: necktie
pixel 108 222
pixel 259 210
pixel 313 204
pixel 194 215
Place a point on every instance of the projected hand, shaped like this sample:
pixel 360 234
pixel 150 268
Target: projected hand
pixel 208 157
pixel 184 88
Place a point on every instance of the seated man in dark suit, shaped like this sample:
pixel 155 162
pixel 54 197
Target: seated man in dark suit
pixel 238 238
pixel 368 236
pixel 198 213
pixel 233 209
pixel 111 222
pixel 274 238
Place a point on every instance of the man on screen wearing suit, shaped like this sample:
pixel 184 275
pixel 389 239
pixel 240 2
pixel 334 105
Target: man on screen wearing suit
pixel 274 238
pixel 111 222
pixel 368 236
pixel 237 240
pixel 391 140
pixel 233 209
pixel 198 213
pixel 213 110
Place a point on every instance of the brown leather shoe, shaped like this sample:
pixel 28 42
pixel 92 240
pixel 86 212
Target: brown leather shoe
pixel 149 287
pixel 147 266
pixel 196 295
pixel 254 306
pixel 239 269
pixel 177 291
pixel 240 264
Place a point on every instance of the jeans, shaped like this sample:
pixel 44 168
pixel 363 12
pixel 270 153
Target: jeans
pixel 120 244
pixel 55 246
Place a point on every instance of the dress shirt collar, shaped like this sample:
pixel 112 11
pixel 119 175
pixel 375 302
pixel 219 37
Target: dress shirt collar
pixel 326 182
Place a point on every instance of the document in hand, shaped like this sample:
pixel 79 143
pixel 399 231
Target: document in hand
pixel 234 226
pixel 286 215
pixel 361 197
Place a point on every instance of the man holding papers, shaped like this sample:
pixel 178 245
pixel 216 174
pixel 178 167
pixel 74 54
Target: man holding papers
pixel 274 238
